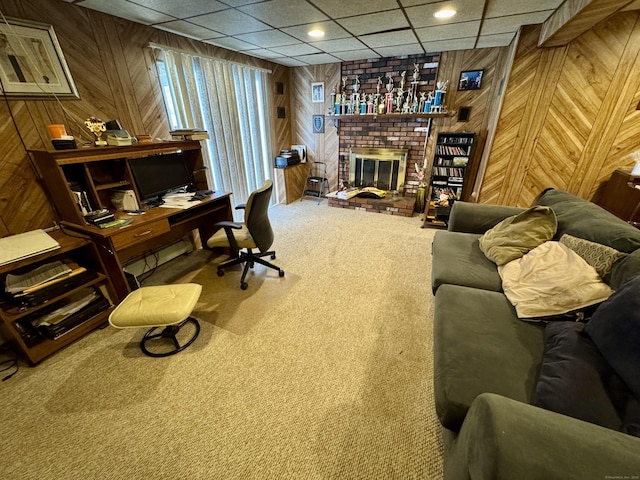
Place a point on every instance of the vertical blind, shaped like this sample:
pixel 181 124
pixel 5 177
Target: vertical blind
pixel 228 100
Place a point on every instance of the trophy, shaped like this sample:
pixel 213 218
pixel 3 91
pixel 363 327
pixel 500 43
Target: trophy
pixel 389 94
pixel 96 127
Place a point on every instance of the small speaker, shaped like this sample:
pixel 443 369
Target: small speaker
pixel 463 114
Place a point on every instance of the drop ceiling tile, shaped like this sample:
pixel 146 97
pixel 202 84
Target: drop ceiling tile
pixel 183 8
pixel 332 31
pixel 229 22
pixel 342 45
pixel 290 62
pixel 512 23
pixel 240 3
pixel 374 22
pixel 317 59
pixel 296 50
pixel 411 3
pixel 446 45
pixel 232 43
pixel 284 13
pixel 400 50
pixel 422 16
pixel 499 40
pixel 447 32
pixel 342 8
pixel 185 28
pixel 264 53
pixel 128 10
pixel 502 8
pixel 357 55
pixel 389 39
pixel 268 38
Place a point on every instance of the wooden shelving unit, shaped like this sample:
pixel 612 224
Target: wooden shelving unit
pixel 13 318
pixel 449 174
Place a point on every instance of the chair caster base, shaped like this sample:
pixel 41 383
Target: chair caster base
pixel 281 273
pixel 243 285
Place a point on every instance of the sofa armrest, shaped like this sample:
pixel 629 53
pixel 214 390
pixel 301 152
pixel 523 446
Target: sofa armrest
pixel 505 439
pixel 469 217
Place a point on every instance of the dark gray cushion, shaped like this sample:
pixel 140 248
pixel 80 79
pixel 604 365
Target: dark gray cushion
pixel 458 260
pixel 584 219
pixel 577 381
pixel 470 217
pixel 481 346
pixel 615 329
pixel 624 270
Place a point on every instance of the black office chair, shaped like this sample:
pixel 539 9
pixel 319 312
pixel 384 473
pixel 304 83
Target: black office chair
pixel 255 232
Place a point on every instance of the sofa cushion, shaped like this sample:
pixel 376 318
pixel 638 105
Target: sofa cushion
pixel 516 235
pixel 458 260
pixel 577 381
pixel 481 346
pixel 615 329
pixel 587 220
pixel 551 280
pixel 601 257
pixel 624 271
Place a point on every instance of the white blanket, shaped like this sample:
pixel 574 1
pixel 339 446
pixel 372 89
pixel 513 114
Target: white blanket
pixel 551 280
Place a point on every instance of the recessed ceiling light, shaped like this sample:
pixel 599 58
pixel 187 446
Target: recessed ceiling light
pixel 445 13
pixel 316 33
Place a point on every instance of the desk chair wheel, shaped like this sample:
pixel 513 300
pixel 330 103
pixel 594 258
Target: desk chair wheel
pixel 243 285
pixel 273 256
pixel 220 272
pixel 281 273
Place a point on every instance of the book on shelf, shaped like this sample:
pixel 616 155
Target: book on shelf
pixel 25 245
pixel 189 134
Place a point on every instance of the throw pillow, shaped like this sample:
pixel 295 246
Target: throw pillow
pixel 577 381
pixel 615 329
pixel 518 234
pixel 551 280
pixel 600 257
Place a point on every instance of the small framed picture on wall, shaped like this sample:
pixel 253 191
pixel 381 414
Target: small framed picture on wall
pixel 470 80
pixel 318 124
pixel 317 92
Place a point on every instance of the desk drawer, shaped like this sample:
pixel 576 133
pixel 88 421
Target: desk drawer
pixel 132 235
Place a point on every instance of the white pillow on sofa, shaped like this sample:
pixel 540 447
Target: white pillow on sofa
pixel 551 280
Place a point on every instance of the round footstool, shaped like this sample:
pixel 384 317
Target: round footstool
pixel 167 306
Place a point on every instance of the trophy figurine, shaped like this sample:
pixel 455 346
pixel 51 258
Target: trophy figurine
pixel 96 127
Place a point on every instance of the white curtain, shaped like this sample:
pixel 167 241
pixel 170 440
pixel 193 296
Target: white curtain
pixel 229 101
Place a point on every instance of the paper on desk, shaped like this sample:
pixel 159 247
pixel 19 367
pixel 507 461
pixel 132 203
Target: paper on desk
pixel 40 275
pixel 179 200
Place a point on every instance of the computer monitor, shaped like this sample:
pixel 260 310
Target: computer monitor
pixel 157 175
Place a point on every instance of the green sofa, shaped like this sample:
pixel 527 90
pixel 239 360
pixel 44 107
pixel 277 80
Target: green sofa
pixel 487 362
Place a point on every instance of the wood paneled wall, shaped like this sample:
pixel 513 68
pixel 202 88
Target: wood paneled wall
pixel 321 147
pixel 116 78
pixel 569 117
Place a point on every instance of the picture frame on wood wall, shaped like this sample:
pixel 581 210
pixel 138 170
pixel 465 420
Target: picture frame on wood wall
pixel 470 80
pixel 317 92
pixel 31 61
pixel 318 124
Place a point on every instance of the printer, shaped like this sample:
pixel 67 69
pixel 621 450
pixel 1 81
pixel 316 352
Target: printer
pixel 287 158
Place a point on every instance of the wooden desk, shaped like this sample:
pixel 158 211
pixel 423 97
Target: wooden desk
pixel 155 228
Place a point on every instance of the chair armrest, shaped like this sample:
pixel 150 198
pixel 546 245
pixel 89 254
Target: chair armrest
pixel 506 439
pixel 241 206
pixel 228 224
pixel 467 217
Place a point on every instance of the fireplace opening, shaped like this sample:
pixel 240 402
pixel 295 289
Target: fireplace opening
pixel 382 168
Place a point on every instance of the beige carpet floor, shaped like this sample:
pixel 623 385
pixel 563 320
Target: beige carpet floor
pixel 323 374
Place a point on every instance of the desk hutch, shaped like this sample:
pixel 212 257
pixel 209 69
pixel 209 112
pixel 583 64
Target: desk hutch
pixel 99 172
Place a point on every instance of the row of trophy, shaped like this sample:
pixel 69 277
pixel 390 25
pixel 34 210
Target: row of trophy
pixel 396 100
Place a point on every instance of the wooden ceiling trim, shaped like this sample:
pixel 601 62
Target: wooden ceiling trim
pixel 572 19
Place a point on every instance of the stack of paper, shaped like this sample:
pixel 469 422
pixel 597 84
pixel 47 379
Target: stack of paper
pixel 39 276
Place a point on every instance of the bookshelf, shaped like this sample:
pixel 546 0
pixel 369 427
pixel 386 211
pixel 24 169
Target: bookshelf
pixel 449 173
pixel 19 321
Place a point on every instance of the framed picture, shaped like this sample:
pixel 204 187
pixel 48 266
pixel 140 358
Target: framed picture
pixel 318 124
pixel 470 80
pixel 31 61
pixel 317 92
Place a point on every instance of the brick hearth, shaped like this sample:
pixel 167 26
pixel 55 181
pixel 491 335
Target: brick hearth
pixel 390 205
